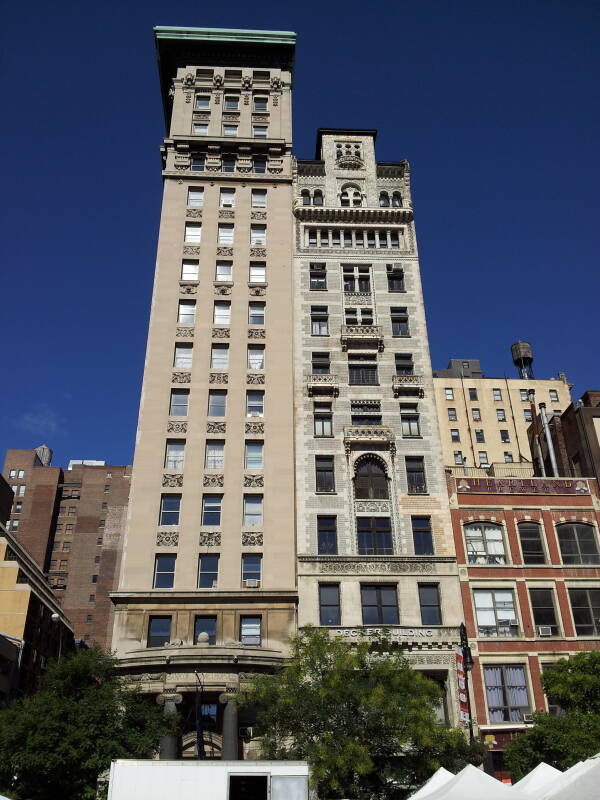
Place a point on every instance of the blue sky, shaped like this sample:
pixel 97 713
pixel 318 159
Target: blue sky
pixel 495 105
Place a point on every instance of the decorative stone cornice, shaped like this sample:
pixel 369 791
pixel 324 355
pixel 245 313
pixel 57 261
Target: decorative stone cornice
pixel 167 538
pixel 354 215
pixel 213 481
pixel 172 481
pixel 209 539
pixel 322 384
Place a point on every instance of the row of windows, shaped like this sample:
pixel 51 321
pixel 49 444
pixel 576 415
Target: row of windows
pixel 381 238
pixel 373 535
pixel 217 403
pixel 363 368
pixel 480 435
pixel 186 312
pixel 379 604
pixel 482 455
pixel 228 163
pixel 214 457
pixel 16 473
pixel 227 195
pixel 257 271
pixel 497 395
pixel 208 571
pixel 231 129
pixel 365 412
pixel 205 630
pixel 350 196
pixel 496 614
pixel 252 511
pixel 225 234
pixel 219 356
pixel 370 478
pixel 319 319
pixel 476 416
pixel 485 543
pixel 231 102
pixel 356 279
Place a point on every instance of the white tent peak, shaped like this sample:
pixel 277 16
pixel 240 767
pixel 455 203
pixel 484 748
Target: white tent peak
pixel 538 778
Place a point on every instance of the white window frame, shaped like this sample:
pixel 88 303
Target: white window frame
pixel 195 196
pixel 259 198
pixel 226 234
pixel 253 511
pixel 189 269
pixel 257 272
pixel 193 232
pixel 222 312
pixel 226 197
pixel 222 276
pixel 258 235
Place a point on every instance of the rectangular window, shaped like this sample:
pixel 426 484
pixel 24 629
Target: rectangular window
pixel 164 571
pixel 544 613
pixel 174 453
pixel 365 412
pixel 399 319
pixel 553 396
pixel 179 402
pixel 318 276
pixel 202 101
pixel 261 103
pixel 323 419
pixel 473 394
pixel 422 536
pixel 214 457
pixel 504 436
pixel 259 198
pixel 259 165
pixel 193 232
pixel 219 356
pixel 159 631
pixel 495 612
pixel 524 394
pixel 429 602
pixel 224 272
pixel 254 455
pixel 169 509
pixel 205 627
pixel 577 544
pixel 256 313
pixel 225 234
pixel 454 435
pixel 485 543
pixel 195 196
pixel 211 509
pixel 227 198
pixel 527 415
pixel 250 631
pixel 585 605
pixel 260 131
pixel 324 474
pixel 222 313
pixel 532 548
pixel 374 536
pixel 217 403
pixel 480 436
pixel 452 415
pixel 208 571
pixel 379 604
pixel 449 394
pixel 476 414
pixel 251 567
pixel 497 394
pixel 253 511
pixel 415 475
pixel 200 129
pixel 506 691
pixel 329 604
pixel 227 163
pixel 258 235
pixel 256 356
pixel 319 321
pixel 483 458
pixel 501 415
pixel 404 364
pixel 255 404
pixel 362 370
pixel 230 130
pixel 320 364
pixel 257 272
pixel 508 457
pixel 232 102
pixel 189 270
pixel 327 535
pixel 395 278
pixel 198 163
pixel 409 421
pixel 183 356
pixel 187 312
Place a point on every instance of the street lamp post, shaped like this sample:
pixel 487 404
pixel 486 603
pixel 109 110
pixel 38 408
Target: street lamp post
pixel 56 620
pixel 467 666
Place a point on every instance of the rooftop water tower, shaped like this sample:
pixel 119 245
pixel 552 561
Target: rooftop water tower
pixel 522 356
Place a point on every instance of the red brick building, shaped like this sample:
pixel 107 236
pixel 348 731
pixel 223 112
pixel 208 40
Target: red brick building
pixel 528 551
pixel 72 522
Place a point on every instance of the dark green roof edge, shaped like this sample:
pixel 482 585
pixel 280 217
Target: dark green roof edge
pixel 225 35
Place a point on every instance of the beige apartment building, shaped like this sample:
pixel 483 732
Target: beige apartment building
pixel 484 421
pixel 375 545
pixel 207 591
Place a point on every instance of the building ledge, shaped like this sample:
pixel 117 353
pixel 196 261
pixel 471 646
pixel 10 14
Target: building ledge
pixel 365 334
pixel 354 215
pixel 408 385
pixel 320 383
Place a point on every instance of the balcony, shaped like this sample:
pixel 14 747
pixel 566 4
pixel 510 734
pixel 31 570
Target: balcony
pixel 408 385
pixel 319 383
pixel 369 335
pixel 367 436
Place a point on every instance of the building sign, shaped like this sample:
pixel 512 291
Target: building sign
pixel 400 634
pixel 463 700
pixel 540 486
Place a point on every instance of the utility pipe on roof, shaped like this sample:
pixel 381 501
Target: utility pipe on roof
pixel 549 441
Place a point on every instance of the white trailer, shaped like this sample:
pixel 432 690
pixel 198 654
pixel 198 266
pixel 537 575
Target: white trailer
pixel 209 780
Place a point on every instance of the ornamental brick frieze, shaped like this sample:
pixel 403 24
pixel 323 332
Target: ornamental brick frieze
pixel 256 333
pixel 218 377
pixel 255 427
pixel 172 481
pixel 216 427
pixel 167 539
pixel 223 291
pixel 181 377
pixel 193 213
pixel 226 213
pixel 258 215
pixel 214 481
pixel 210 539
pixel 188 288
pixel 257 252
pixel 191 251
pixel 358 298
pixel 176 427
pixel 184 333
pixel 220 333
pixel 255 378
pixel 253 481
pixel 225 251
pixel 252 539
pixel 374 568
pixel 257 291
pixel 372 506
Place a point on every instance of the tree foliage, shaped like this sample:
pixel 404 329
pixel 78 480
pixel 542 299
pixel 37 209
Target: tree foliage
pixel 574 683
pixel 56 742
pixel 362 718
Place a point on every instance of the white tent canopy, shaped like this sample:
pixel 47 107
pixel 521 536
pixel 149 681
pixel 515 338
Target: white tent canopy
pixel 542 777
pixel 471 784
pixel 580 782
pixel 437 779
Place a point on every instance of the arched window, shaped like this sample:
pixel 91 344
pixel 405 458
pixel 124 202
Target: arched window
pixel 344 198
pixel 396 200
pixel 370 480
pixel 305 197
pixel 384 200
pixel 350 196
pixel 485 543
pixel 318 197
pixel 577 543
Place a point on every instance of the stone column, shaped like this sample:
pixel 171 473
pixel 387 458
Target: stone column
pixel 169 744
pixel 230 748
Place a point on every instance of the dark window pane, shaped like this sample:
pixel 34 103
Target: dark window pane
pixel 206 625
pixel 329 604
pixel 327 535
pixel 530 535
pixel 159 631
pixel 422 536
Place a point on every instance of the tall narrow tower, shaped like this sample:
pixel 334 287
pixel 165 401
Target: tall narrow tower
pixel 374 533
pixel 207 586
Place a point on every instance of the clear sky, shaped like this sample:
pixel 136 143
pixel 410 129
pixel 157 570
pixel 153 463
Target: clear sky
pixel 495 105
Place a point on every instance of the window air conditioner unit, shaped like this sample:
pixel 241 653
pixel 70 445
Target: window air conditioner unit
pixel 544 630
pixel 252 583
pixel 528 718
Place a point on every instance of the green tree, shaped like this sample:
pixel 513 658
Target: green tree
pixel 362 718
pixel 574 683
pixel 54 744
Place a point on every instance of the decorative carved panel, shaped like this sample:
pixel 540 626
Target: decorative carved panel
pixel 188 250
pixel 375 567
pixel 181 377
pixel 254 481
pixel 167 538
pixel 220 333
pixel 176 427
pixel 225 251
pixel 184 333
pixel 218 377
pixel 193 213
pixel 258 215
pixel 252 539
pixel 216 427
pixel 172 481
pixel 214 481
pixel 188 288
pixel 257 291
pixel 255 378
pixel 210 539
pixel 372 506
pixel 222 290
pixel 226 213
pixel 255 427
pixel 256 333
pixel 257 252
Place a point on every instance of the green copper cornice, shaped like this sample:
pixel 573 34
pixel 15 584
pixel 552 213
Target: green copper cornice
pixel 225 35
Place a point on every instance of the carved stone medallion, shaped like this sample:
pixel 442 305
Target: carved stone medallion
pixel 167 538
pixel 256 333
pixel 214 481
pixel 216 427
pixel 255 427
